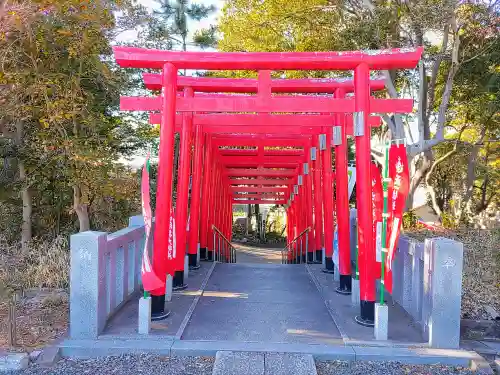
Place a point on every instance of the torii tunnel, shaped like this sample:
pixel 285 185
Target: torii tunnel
pixel 265 141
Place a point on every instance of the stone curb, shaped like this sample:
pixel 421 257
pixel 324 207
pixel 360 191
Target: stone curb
pixel 14 361
pixel 49 356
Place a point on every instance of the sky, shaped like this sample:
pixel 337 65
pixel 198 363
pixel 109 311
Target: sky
pixel 192 25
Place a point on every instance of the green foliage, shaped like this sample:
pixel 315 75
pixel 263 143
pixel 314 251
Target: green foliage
pixel 410 220
pixel 59 96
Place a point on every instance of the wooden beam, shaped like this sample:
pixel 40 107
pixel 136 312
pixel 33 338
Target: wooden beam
pixel 236 172
pixel 245 85
pixel 261 181
pixel 404 58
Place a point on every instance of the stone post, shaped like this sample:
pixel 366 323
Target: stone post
pixel 144 317
pixel 88 298
pixel 443 264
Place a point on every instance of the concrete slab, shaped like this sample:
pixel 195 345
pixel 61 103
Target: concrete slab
pixel 250 254
pixel 125 321
pixel 402 328
pixel 14 361
pixel 184 348
pixel 119 346
pixel 494 345
pixel 49 356
pixel 289 363
pixel 237 363
pixel 452 357
pixel 268 304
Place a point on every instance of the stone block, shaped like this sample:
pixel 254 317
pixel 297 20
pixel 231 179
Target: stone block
pixel 168 288
pixel 355 293
pixel 417 269
pixel 237 363
pixel 443 264
pixel 497 365
pixel 198 253
pixel 186 266
pixel 49 357
pixel 289 363
pixel 14 361
pixel 144 319
pixel 89 301
pixel 381 322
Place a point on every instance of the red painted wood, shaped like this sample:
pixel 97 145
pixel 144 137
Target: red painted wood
pixel 342 198
pixel 253 152
pixel 366 256
pixel 261 181
pixel 258 189
pixel 181 207
pixel 255 160
pixel 258 201
pixel 131 57
pixel 245 85
pixel 161 264
pixel 258 140
pixel 194 209
pixel 258 172
pixel 264 119
pixel 296 104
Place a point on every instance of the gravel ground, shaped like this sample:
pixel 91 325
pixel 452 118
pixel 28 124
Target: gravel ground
pixel 127 365
pixel 385 368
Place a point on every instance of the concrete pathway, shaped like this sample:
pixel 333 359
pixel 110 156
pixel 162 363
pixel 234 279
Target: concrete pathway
pixel 261 303
pixel 251 254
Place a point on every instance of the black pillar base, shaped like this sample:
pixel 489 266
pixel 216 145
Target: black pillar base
pixel 193 261
pixel 329 267
pixel 319 256
pixel 203 253
pixel 210 255
pixel 367 316
pixel 297 260
pixel 158 311
pixel 310 257
pixel 178 281
pixel 345 285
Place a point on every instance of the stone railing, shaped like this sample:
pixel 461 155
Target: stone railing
pixel 427 283
pixel 105 273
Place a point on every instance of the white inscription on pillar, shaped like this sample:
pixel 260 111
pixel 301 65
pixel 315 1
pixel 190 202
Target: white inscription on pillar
pixel 337 135
pixel 322 141
pixel 300 181
pixel 295 189
pixel 313 153
pixel 306 168
pixel 359 125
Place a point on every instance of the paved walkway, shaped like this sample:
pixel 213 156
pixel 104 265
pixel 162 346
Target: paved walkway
pixel 251 254
pixel 262 303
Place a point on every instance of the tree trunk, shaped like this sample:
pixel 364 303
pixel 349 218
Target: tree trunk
pixel 249 219
pixel 81 209
pixel 26 226
pixel 430 188
pixel 417 178
pixel 257 219
pixel 469 180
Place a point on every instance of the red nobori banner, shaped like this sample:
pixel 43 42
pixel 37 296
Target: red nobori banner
pixel 172 245
pixel 398 192
pixel 377 208
pixel 150 281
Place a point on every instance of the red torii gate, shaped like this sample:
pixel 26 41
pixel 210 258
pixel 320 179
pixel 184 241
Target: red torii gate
pixel 362 106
